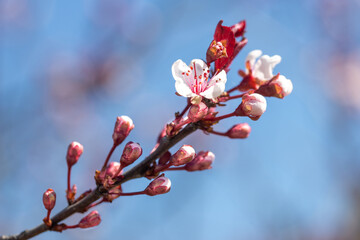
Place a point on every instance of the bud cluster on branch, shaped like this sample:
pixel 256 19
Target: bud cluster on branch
pixel 202 83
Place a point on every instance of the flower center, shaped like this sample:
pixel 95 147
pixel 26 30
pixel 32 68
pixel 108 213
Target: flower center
pixel 197 83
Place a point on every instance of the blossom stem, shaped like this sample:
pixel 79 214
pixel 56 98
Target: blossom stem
pixel 68 179
pixel 179 125
pixel 72 226
pixel 119 171
pixel 232 89
pixel 164 168
pixel 175 168
pixel 132 193
pixel 223 117
pixel 217 133
pixel 184 111
pixel 95 204
pixel 48 216
pixel 108 157
pixel 236 96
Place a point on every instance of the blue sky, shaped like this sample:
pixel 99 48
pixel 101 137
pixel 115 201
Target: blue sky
pixel 277 184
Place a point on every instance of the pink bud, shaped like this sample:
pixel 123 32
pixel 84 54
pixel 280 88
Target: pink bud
pixel 158 186
pixel 215 51
pixel 132 151
pixel 202 161
pixel 110 171
pixel 74 152
pixel 197 112
pixel 253 105
pixel 122 129
pixel 184 155
pixel 49 199
pixel 241 130
pixel 91 220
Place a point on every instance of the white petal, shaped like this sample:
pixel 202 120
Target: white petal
pixel 200 66
pixel 183 89
pixel 254 104
pixel 264 67
pixel 252 56
pixel 217 86
pixel 285 84
pixel 178 68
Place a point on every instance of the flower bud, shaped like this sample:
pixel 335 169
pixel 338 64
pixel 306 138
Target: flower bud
pixel 74 152
pixel 158 186
pixel 122 129
pixel 278 87
pixel 184 155
pixel 215 51
pixel 110 171
pixel 202 161
pixel 49 199
pixel 283 86
pixel 91 220
pixel 197 112
pixel 253 105
pixel 132 151
pixel 241 130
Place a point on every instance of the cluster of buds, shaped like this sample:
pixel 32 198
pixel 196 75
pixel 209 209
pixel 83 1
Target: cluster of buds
pixel 183 159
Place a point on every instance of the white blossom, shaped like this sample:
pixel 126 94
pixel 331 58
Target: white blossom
pixel 193 80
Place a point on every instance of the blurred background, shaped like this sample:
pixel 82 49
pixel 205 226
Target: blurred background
pixel 68 68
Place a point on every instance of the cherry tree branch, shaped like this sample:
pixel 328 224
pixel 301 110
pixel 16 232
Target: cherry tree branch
pixel 136 172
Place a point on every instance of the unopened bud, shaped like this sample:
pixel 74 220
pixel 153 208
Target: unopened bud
pixel 197 112
pixel 253 105
pixel 91 220
pixel 283 86
pixel 158 186
pixel 110 171
pixel 278 87
pixel 202 161
pixel 215 51
pixel 184 155
pixel 132 151
pixel 74 152
pixel 49 199
pixel 122 129
pixel 241 130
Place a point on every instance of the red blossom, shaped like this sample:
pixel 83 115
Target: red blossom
pixel 227 36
